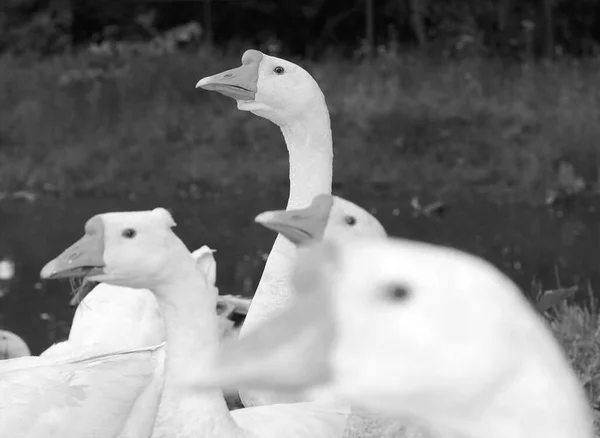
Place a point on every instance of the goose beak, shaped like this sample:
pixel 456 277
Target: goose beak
pixel 289 353
pixel 292 351
pixel 239 83
pixel 301 225
pixel 82 259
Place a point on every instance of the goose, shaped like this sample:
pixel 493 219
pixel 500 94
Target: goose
pixel 115 318
pixel 287 95
pixel 12 346
pixel 83 375
pixel 414 330
pixel 139 250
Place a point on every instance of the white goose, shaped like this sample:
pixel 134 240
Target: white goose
pixel 287 95
pixel 115 318
pixel 139 250
pixel 99 383
pixel 415 330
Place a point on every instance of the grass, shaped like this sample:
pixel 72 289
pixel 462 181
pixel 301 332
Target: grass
pixel 137 124
pixel 577 328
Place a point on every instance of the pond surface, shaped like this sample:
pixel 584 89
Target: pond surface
pixel 528 243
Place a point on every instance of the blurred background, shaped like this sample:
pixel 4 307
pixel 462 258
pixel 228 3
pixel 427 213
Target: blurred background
pixel 470 124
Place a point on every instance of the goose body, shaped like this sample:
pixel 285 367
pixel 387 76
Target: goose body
pixel 152 257
pixel 112 318
pixel 288 96
pixel 104 381
pixel 418 331
pixel 80 395
pixel 119 319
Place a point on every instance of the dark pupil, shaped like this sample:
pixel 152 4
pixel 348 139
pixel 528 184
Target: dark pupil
pixel 398 293
pixel 129 233
pixel 350 220
pixel 279 70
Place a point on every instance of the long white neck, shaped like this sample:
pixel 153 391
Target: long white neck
pixel 188 309
pixel 310 150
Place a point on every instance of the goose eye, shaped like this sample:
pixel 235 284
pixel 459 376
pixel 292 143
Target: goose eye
pixel 350 220
pixel 279 70
pixel 129 233
pixel 397 292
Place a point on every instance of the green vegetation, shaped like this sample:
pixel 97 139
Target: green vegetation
pixel 578 330
pixel 92 122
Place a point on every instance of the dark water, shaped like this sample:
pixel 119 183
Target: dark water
pixel 526 242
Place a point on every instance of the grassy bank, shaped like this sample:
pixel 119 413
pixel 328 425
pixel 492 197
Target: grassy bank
pixel 578 330
pixel 443 127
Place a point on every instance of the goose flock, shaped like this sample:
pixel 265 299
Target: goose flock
pixel 344 318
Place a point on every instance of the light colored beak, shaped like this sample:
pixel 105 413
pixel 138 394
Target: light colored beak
pixel 239 83
pixel 292 351
pixel 289 353
pixel 82 259
pixel 302 225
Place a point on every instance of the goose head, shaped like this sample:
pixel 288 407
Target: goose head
pixel 325 217
pixel 410 329
pixel 269 87
pixel 132 249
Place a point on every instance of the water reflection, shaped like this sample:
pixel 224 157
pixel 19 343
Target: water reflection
pixel 7 273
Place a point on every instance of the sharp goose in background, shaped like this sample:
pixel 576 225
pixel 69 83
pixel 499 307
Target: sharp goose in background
pixel 12 346
pixel 139 250
pixel 115 318
pixel 416 331
pixel 287 95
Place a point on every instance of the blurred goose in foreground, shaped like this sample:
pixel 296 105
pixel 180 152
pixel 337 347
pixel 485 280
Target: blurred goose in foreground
pixel 287 95
pixel 414 330
pixel 139 250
